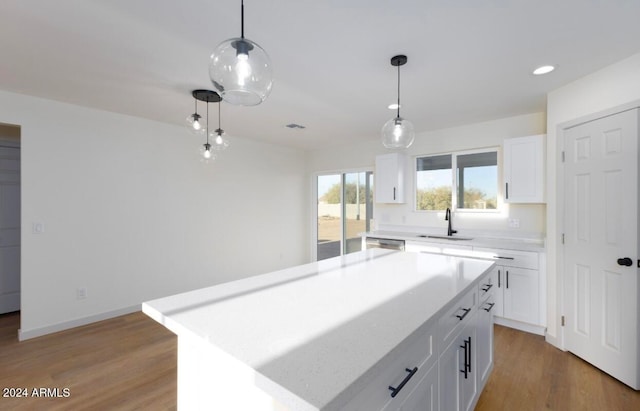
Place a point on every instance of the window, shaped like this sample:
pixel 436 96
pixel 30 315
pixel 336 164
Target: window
pixel 475 181
pixel 344 210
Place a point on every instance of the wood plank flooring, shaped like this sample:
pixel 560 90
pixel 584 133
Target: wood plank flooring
pixel 129 363
pixel 529 374
pixel 126 363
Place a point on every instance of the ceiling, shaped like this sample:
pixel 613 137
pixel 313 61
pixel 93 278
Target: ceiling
pixel 469 60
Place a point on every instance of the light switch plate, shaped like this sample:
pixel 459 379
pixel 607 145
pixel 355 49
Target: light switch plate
pixel 37 228
pixel 514 222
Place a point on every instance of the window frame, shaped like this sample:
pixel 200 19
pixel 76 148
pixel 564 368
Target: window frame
pixel 454 181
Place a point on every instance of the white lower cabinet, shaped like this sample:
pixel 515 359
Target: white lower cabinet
pixel 458 372
pixel 519 280
pixel 484 338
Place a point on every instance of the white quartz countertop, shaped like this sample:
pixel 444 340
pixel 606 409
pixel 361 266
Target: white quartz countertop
pixel 316 330
pixel 474 240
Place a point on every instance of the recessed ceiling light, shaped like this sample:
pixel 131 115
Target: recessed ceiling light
pixel 543 70
pixel 393 106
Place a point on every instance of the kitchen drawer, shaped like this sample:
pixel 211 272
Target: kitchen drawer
pixel 487 285
pixel 419 351
pixel 457 316
pixel 512 258
pixel 489 304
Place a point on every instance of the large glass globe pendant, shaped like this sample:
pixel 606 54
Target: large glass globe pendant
pixel 398 133
pixel 240 70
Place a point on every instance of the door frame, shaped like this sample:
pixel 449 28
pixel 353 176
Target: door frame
pixel 560 209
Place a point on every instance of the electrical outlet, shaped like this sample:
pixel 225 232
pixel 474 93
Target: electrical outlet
pixel 514 222
pixel 37 228
pixel 81 293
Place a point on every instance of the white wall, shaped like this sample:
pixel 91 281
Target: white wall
pixel 479 135
pixel 132 214
pixel 612 86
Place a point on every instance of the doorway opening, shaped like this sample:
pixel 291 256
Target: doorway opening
pixel 9 220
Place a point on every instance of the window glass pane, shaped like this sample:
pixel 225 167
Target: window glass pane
pixel 477 176
pixel 329 216
pixel 433 182
pixel 358 202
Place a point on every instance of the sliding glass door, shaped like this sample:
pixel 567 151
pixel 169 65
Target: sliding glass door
pixel 344 210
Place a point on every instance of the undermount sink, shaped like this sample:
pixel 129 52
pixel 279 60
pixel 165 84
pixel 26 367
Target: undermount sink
pixel 444 237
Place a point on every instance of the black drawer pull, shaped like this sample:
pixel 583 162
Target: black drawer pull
pixel 466 311
pixel 490 307
pixel 487 287
pixel 503 258
pixel 395 391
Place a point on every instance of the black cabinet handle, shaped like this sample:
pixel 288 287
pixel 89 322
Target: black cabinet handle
pixel 503 258
pixel 507 271
pixel 507 190
pixel 487 287
pixel 465 368
pixel 498 278
pixel 467 357
pixel 466 311
pixel 395 391
pixel 625 261
pixel 490 307
pixel 394 193
pixel 469 362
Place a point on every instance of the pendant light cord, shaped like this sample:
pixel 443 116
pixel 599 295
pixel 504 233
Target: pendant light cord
pixel 398 91
pixel 242 19
pixel 219 121
pixel 207 121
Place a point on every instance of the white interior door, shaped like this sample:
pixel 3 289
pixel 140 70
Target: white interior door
pixel 601 229
pixel 9 229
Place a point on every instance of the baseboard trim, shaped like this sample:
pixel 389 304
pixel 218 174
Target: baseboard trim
pixel 50 329
pixel 530 328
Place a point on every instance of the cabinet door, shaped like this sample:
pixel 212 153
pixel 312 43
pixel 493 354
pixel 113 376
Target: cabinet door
pixel 521 294
pixel 458 388
pixel 524 169
pixel 424 396
pixel 498 292
pixel 389 178
pixel 484 334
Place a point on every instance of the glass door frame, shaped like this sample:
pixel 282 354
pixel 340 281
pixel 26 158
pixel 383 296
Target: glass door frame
pixel 314 202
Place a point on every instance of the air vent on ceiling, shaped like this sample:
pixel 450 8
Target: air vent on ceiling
pixel 294 125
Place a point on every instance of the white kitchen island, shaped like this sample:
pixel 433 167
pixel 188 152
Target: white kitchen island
pixel 327 335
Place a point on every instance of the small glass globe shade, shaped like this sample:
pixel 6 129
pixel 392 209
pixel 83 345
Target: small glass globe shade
pixel 240 71
pixel 195 124
pixel 206 153
pixel 398 133
pixel 219 141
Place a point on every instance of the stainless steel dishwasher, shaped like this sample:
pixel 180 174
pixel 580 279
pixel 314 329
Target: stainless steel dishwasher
pixel 373 242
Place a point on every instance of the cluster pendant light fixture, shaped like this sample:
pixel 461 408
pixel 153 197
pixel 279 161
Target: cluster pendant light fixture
pixel 208 150
pixel 398 132
pixel 240 70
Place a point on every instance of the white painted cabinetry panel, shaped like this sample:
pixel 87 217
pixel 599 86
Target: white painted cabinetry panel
pixel 524 169
pixel 389 178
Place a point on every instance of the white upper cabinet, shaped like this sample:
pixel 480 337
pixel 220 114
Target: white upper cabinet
pixel 389 178
pixel 524 169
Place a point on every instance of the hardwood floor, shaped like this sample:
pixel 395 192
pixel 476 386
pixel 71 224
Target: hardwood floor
pixel 129 363
pixel 529 374
pixel 126 363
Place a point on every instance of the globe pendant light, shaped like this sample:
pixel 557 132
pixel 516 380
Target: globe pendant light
pixel 241 70
pixel 194 120
pixel 219 141
pixel 207 96
pixel 398 132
